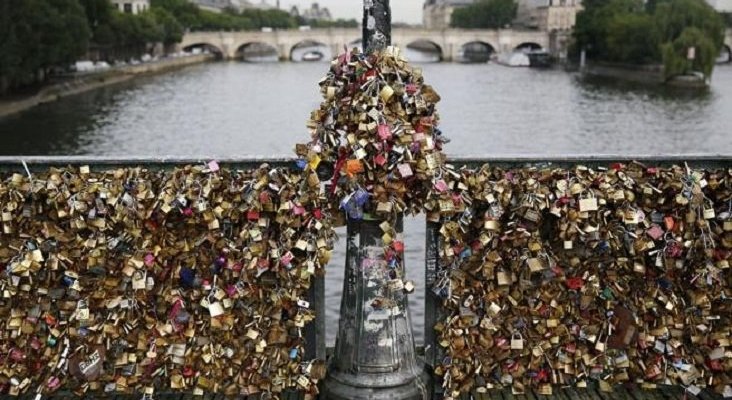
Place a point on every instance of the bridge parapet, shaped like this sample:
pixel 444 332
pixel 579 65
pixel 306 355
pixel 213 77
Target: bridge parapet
pixel 314 333
pixel 449 42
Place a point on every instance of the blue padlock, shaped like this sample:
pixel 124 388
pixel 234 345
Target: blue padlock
pixel 361 197
pixel 467 252
pixel 187 277
pixel 67 281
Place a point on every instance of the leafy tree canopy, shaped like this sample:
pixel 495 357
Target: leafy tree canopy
pixel 485 14
pixel 652 32
pixel 37 35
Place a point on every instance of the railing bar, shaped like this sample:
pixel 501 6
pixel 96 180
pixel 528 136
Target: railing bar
pixel 498 160
pixel 316 341
pixel 41 164
pixel 433 305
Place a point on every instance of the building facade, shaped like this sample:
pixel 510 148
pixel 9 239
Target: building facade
pixel 132 6
pixel 548 15
pixel 436 14
pixel 314 13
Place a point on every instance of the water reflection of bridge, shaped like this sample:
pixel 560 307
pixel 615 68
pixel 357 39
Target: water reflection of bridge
pixel 447 45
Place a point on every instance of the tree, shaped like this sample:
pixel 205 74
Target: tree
pixel 727 17
pixel 592 29
pixel 676 54
pixel 98 12
pixel 659 31
pixel 683 24
pixel 485 14
pixel 632 38
pixel 172 30
pixel 339 23
pixel 674 16
pixel 185 12
pixel 38 35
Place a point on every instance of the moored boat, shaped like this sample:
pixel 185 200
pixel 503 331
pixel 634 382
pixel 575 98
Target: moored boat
pixel 312 56
pixel 514 59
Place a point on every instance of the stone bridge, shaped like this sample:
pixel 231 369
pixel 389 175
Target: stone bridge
pixel 450 43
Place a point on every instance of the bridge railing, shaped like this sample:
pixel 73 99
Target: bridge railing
pixel 433 311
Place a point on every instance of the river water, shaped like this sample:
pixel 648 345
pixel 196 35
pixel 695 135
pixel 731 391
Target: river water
pixel 243 109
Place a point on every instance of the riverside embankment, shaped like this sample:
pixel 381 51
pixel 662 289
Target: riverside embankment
pixel 86 82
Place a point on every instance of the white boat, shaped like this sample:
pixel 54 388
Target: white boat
pixel 514 59
pixel 312 56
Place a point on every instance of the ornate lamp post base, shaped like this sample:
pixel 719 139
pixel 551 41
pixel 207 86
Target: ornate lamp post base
pixel 374 356
pixel 416 389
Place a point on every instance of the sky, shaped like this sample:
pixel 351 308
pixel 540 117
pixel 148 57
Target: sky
pixel 409 11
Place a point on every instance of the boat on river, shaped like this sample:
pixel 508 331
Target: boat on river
pixel 530 58
pixel 312 56
pixel 539 59
pixel 514 59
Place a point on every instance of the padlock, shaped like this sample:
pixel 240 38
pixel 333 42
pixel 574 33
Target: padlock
pixel 588 203
pixel 139 280
pixel 503 278
pixel 517 341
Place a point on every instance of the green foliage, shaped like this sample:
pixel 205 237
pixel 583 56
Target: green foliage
pixel 485 14
pixel 184 11
pixel 675 54
pixel 652 32
pixel 98 12
pixel 191 17
pixel 727 17
pixel 172 30
pixel 674 16
pixel 632 38
pixel 592 28
pixel 37 35
pixel 339 23
pixel 272 18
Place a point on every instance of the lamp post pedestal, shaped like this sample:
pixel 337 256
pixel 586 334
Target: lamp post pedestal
pixel 374 355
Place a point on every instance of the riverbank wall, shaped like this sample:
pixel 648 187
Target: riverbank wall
pixel 647 74
pixel 87 82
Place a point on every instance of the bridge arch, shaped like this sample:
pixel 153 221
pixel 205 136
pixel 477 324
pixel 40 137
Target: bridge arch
pixel 726 54
pixel 257 52
pixel 310 50
pixel 476 51
pixel 203 46
pixel 424 50
pixel 527 46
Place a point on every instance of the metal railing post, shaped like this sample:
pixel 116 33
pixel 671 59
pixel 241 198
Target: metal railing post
pixel 376 25
pixel 315 332
pixel 433 311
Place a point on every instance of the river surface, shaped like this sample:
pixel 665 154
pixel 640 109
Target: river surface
pixel 243 109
